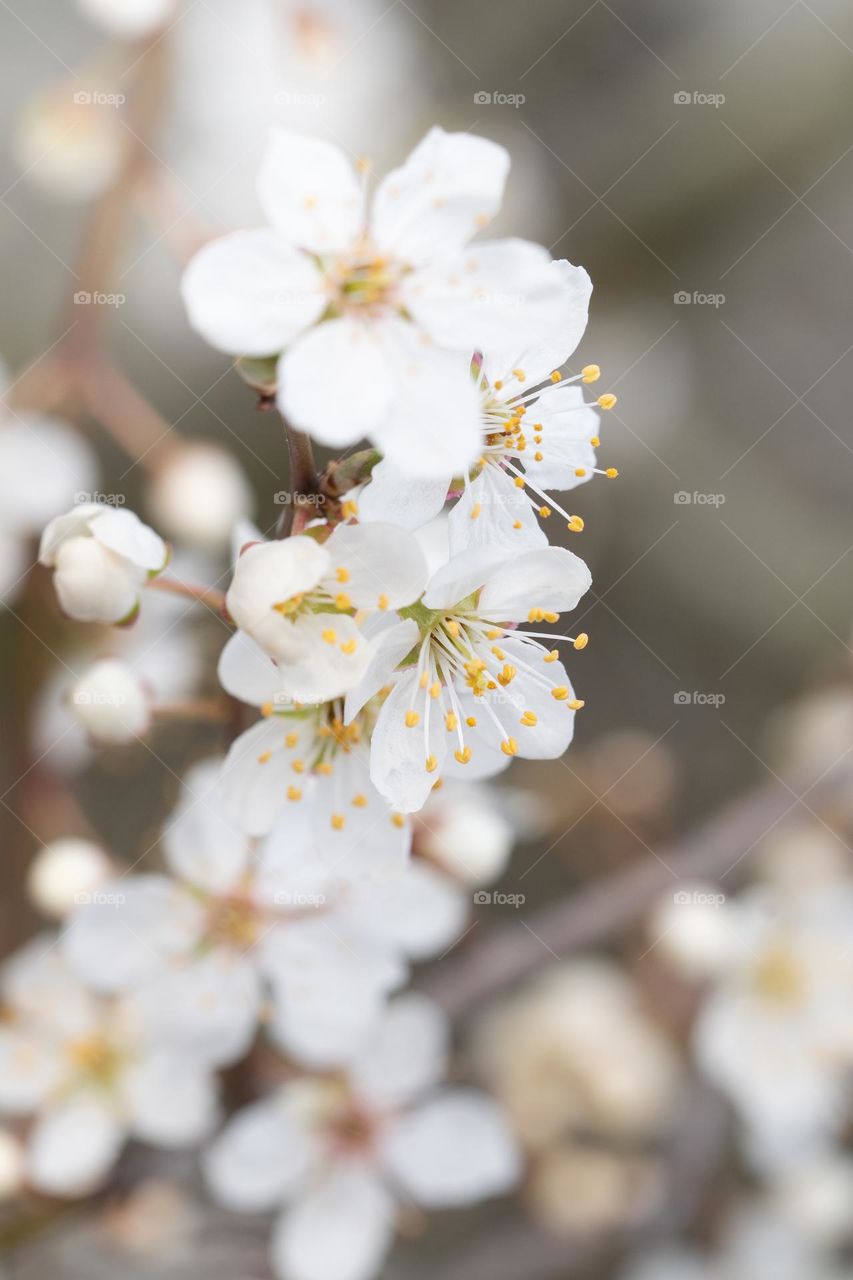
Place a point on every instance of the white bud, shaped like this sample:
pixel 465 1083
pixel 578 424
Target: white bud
pixel 101 556
pixel 199 495
pixel 63 872
pixel 68 144
pixel 467 836
pixel 693 929
pixel 11 1165
pixel 111 702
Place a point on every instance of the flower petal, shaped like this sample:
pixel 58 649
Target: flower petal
pixel 389 645
pixel 255 775
pixel 170 1099
pixel 247 672
pixel 378 565
pixel 398 753
pixel 551 578
pixel 465 573
pixel 450 186
pixel 272 572
pixel 407 1054
pixel 199 843
pixel 355 833
pixel 29 1070
pixel 125 534
pixel 309 192
pixel 401 499
pixel 454 1150
pixel 336 382
pixel 341 1230
pixel 419 910
pixel 261 1157
pixel 538 360
pixel 494 513
pixel 332 657
pixel 73 1147
pixel 250 293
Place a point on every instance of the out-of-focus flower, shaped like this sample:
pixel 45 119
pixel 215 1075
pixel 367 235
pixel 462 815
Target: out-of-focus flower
pixel 111 702
pixel 577 1052
pixel 804 858
pixel 198 495
pixel 815 1197
pixel 308 757
pixel 43 463
pixel 202 948
pixel 64 873
pixel 775 1033
pixel 101 558
pixel 11 1165
pixel 478 679
pixel 340 1152
pixel 297 599
pixel 693 929
pixel 575 1188
pixel 394 305
pixel 463 829
pixel 130 19
pixel 85 1071
pixel 70 139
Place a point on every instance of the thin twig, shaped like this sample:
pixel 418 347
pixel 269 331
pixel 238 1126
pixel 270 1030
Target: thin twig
pixel 304 482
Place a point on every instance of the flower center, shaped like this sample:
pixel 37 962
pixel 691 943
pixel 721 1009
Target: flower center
pixel 94 1057
pixel 232 922
pixel 778 978
pixel 363 281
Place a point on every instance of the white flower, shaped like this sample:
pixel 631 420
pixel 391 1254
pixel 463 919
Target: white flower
pixel 71 147
pixel 43 463
pixel 478 690
pixel 464 830
pixel 307 757
pixel 83 1068
pixel 378 316
pixel 341 1153
pixel 63 872
pixel 198 494
pixel 537 435
pixel 130 19
pixel 298 598
pixel 111 702
pixel 692 928
pixel 101 557
pixel 775 1035
pixel 202 949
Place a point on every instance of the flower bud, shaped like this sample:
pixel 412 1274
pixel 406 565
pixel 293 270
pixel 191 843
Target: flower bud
pixel 111 702
pixel 102 557
pixel 199 494
pixel 466 835
pixel 64 872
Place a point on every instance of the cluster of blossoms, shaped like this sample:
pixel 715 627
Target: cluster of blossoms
pixel 398 649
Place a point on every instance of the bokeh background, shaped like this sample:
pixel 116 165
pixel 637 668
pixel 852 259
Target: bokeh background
pixel 697 158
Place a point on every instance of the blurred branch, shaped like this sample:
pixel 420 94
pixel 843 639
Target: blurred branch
pixel 467 977
pixel 304 482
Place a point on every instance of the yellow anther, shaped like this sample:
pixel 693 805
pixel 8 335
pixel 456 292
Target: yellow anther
pixel 349 646
pixel 431 764
pixel 550 616
pixel 595 441
pixel 291 739
pixel 544 512
pixel 342 601
pixel 576 524
pixel 452 627
pixel 560 692
pixel 337 821
pixel 382 602
pixel 494 633
pixel 424 680
pixel 463 755
pixel 581 641
pixel 475 510
pixel 519 482
pixel 516 524
pixel 555 376
pixel 552 656
pixel 450 721
pixel 499 653
pixel 293 793
pixel 606 401
pixel 435 689
pixel 265 757
pixel 350 509
pixel 359 801
pixel 498 384
pixel 590 373
pixel 342 574
pixel 529 719
pixel 537 457
pixel 359 617
pixel 509 747
pixel 324 767
pixel 471 722
pixel 412 718
pixel 330 635
pixel 267 709
pixel 398 819
pixel 536 615
pixel 580 472
pixel 298 766
pixel 611 473
pixel 576 703
pixel 507 675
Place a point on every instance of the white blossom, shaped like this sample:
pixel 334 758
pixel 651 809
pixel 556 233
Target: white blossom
pixel 88 1075
pixel 64 872
pixel 130 19
pixel 111 702
pixel 340 1153
pixel 378 316
pixel 198 494
pixel 101 557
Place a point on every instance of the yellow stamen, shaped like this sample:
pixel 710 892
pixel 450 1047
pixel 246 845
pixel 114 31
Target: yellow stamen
pixel 590 373
pixel 606 401
pixel 338 821
pixel 509 747
pixel 431 764
pixel 412 719
pixel 581 641
pixel 293 793
pixel 463 756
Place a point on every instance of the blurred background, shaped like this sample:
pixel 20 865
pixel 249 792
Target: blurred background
pixel 697 159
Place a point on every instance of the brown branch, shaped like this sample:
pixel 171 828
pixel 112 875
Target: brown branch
pixel 304 483
pixel 594 914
